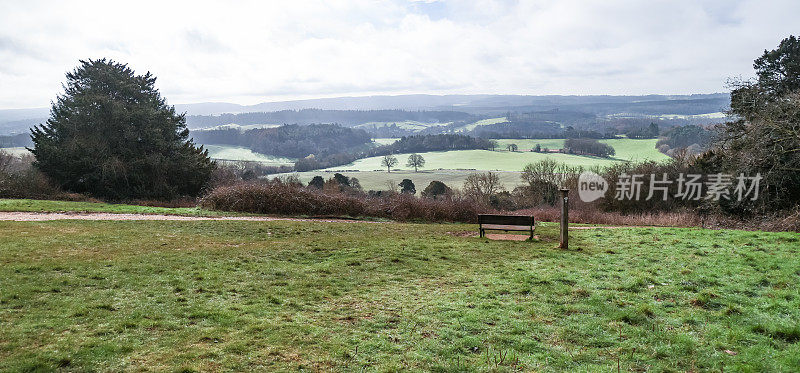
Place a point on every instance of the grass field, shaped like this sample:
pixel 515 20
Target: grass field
pixel 627 150
pixel 376 180
pixel 306 296
pixel 528 144
pixel 385 140
pixel 34 205
pixel 482 122
pixel 454 166
pixel 410 125
pixel 240 153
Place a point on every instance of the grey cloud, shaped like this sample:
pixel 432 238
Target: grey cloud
pixel 276 50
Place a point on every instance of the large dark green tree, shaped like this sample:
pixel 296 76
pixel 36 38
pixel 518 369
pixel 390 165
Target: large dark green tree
pixel 113 136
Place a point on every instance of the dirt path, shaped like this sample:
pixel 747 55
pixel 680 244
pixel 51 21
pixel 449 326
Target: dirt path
pixel 45 216
pixel 48 216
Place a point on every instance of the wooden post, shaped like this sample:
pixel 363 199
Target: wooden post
pixel 564 218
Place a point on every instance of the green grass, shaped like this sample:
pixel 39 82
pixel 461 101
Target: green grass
pixel 444 166
pixel 482 122
pixel 224 295
pixel 528 144
pixel 34 205
pixel 376 180
pixel 627 150
pixel 240 153
pixel 385 140
pixel 411 125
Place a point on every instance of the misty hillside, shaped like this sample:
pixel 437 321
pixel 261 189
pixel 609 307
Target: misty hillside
pixel 442 109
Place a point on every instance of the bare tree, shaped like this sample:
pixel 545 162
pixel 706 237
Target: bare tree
pixel 416 161
pixel 389 161
pixel 482 186
pixel 391 186
pixel 545 177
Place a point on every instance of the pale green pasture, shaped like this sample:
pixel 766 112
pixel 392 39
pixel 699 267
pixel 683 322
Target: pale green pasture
pixel 482 122
pixel 377 180
pixel 385 140
pixel 17 151
pixel 240 153
pixel 502 160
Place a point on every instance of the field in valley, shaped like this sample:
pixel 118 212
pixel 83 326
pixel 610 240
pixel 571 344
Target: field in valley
pixel 503 160
pixel 17 151
pixel 283 295
pixel 377 180
pixel 240 153
pixel 452 167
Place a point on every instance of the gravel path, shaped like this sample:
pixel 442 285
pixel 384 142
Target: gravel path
pixel 45 216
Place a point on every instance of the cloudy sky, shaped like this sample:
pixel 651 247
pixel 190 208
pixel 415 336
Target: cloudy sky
pixel 250 52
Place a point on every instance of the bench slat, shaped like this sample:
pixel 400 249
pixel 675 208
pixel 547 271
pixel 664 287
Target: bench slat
pixel 501 227
pixel 505 223
pixel 505 219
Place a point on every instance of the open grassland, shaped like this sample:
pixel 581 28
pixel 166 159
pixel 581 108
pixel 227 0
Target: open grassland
pixel 377 180
pixel 626 149
pixel 33 205
pixel 453 167
pixel 410 125
pixel 482 122
pixel 385 140
pixel 240 153
pixel 502 160
pixel 528 144
pixel 86 296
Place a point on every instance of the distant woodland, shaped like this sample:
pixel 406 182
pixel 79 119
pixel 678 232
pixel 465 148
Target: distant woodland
pixel 343 117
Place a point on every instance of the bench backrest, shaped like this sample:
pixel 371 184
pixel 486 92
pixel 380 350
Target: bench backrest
pixel 505 219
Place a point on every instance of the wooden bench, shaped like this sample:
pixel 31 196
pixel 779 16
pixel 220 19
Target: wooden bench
pixel 505 223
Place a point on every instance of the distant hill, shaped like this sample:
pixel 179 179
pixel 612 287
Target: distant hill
pixel 19 120
pixel 474 104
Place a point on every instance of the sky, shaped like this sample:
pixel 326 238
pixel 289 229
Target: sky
pixel 248 52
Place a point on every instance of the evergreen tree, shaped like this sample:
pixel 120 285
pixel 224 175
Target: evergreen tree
pixel 341 179
pixel 653 129
pixel 435 189
pixel 316 182
pixel 112 135
pixel 407 187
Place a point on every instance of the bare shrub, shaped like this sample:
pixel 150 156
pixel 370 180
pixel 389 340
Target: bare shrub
pixel 656 202
pixel 19 179
pixel 405 207
pixel 544 178
pixel 588 214
pixel 291 199
pixel 480 187
pixel 280 198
